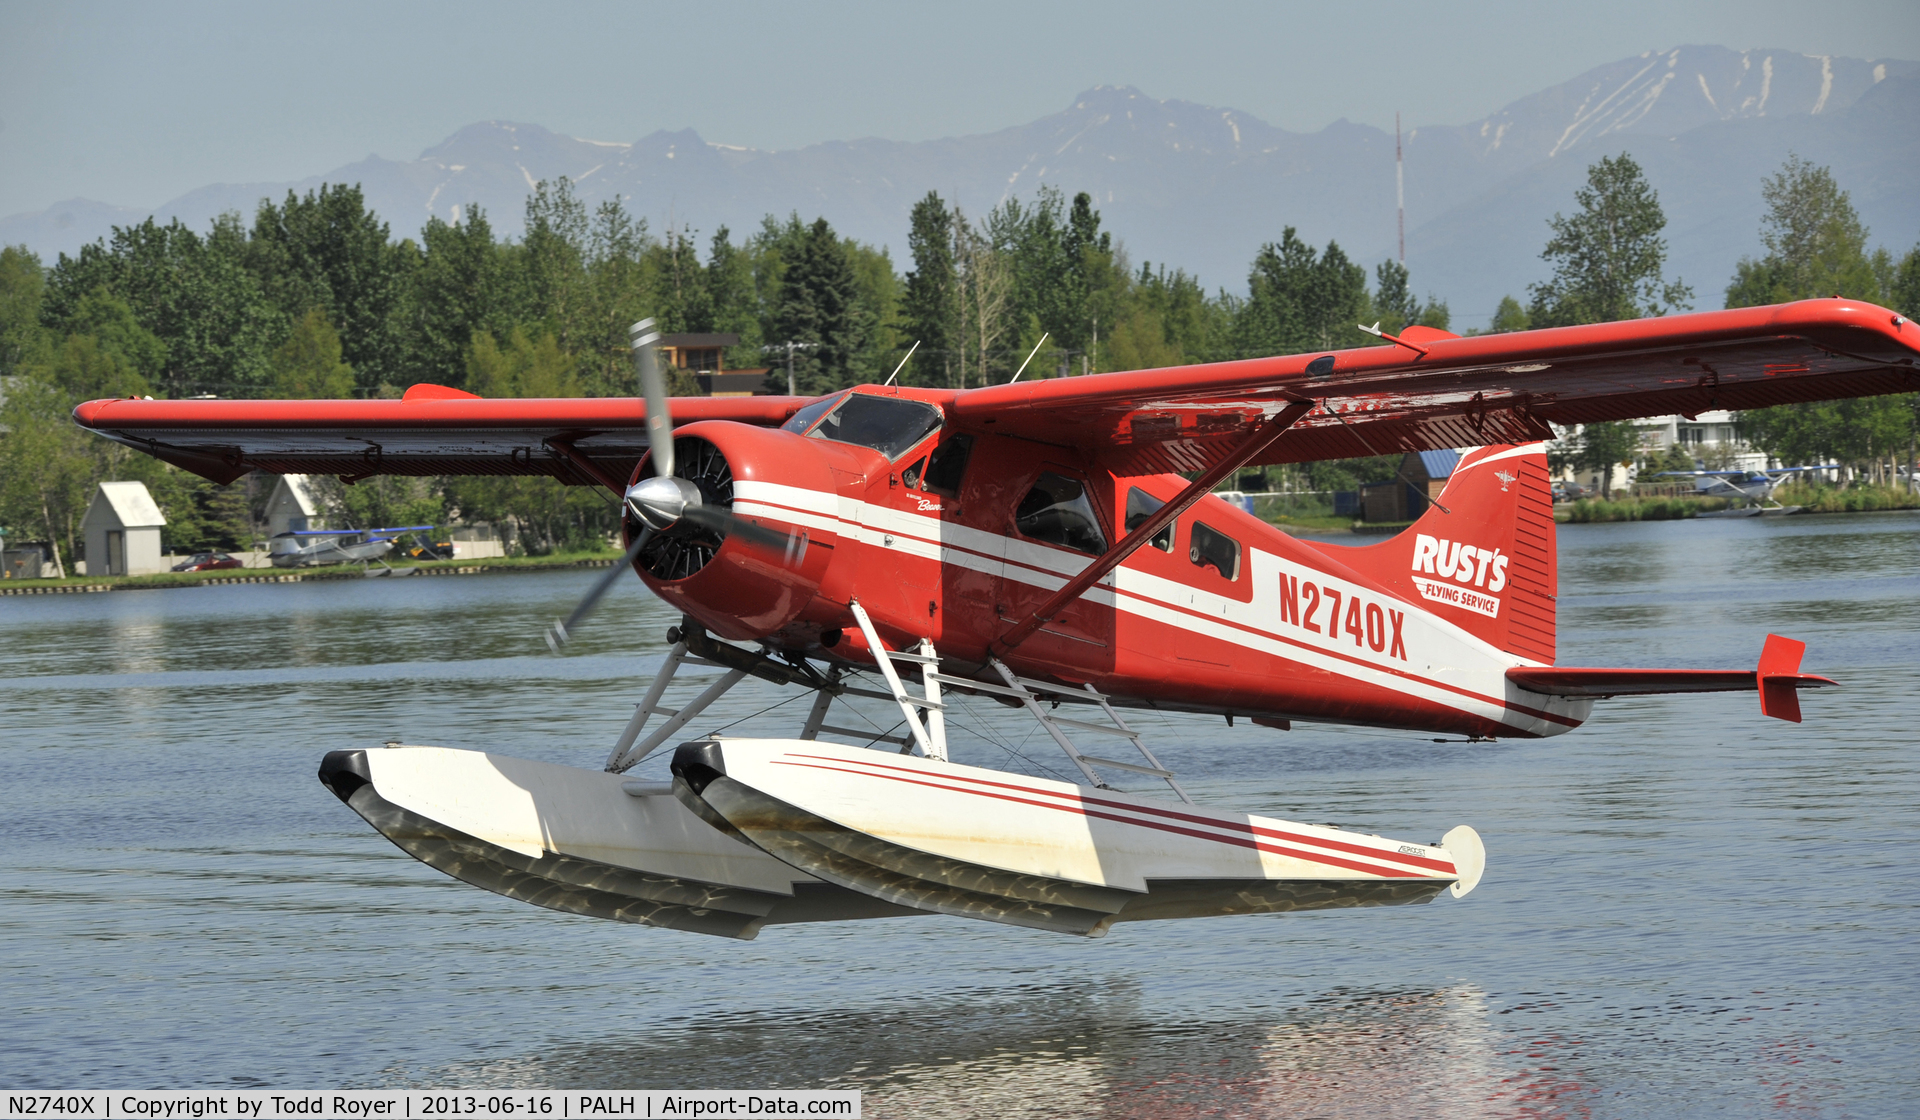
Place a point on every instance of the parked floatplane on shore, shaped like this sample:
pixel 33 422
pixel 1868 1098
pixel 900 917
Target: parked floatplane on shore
pixel 1049 545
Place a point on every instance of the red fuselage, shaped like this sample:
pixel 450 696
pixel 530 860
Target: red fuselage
pixel 1224 613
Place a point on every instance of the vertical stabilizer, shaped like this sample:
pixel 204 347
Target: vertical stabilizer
pixel 1482 557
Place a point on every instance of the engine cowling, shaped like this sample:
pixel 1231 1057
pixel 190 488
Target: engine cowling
pixel 739 590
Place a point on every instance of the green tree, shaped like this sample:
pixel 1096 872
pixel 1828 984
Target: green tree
pixel 328 251
pixel 555 290
pixel 458 288
pixel 931 302
pixel 195 294
pixel 1817 246
pixel 1815 242
pixel 22 281
pixel 386 501
pixel 1903 294
pixel 48 465
pixel 732 301
pixel 525 367
pixel 1301 300
pixel 1509 316
pixel 308 365
pixel 619 292
pixel 1394 304
pixel 107 325
pixel 815 305
pixel 1603 446
pixel 1608 258
pixel 1195 327
pixel 1866 434
pixel 83 368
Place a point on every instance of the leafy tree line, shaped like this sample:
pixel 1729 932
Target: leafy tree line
pixel 1816 246
pixel 1608 261
pixel 317 299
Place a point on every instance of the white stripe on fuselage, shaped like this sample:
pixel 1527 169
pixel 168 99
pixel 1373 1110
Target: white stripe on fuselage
pixel 1447 655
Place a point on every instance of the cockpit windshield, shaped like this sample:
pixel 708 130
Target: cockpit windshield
pixel 889 425
pixel 803 419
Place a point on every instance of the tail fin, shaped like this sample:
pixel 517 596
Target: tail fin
pixel 1482 557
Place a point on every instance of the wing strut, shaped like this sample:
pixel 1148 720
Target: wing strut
pixel 1256 442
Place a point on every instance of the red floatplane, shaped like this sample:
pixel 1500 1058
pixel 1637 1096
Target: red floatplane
pixel 1049 544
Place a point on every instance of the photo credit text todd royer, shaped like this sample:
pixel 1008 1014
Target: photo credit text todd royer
pixel 375 1104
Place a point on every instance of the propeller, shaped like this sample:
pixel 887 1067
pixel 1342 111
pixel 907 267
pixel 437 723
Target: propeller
pixel 667 500
pixel 558 632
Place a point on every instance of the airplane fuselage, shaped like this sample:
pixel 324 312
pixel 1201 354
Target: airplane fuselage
pixel 1225 613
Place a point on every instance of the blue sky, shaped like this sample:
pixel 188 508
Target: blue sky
pixel 136 104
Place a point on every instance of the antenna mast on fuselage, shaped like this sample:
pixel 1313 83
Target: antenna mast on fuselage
pixel 1400 188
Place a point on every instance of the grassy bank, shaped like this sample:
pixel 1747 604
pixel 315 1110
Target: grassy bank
pixel 1588 510
pixel 1814 499
pixel 159 581
pixel 1847 499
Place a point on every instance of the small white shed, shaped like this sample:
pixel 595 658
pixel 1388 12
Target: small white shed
pixel 292 507
pixel 122 528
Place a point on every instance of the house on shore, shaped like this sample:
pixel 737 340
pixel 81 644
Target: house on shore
pixel 122 531
pixel 704 356
pixel 1422 475
pixel 292 506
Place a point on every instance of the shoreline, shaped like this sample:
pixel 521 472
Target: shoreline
pixel 167 581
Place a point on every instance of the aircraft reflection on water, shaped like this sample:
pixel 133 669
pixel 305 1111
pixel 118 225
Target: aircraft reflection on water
pixel 1085 1049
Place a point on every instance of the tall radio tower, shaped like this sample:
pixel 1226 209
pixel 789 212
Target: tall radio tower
pixel 1400 188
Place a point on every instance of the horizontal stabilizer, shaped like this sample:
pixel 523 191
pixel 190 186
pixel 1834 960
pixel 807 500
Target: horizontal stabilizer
pixel 1778 679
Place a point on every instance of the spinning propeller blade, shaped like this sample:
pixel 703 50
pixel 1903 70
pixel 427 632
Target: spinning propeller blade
pixel 663 501
pixel 653 389
pixel 557 633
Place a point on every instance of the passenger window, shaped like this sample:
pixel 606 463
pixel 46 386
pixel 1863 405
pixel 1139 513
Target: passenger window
pixel 1142 505
pixel 1214 549
pixel 949 465
pixel 890 425
pixel 911 476
pixel 1058 511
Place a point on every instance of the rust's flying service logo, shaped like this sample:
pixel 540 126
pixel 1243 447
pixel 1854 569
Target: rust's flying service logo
pixel 1465 569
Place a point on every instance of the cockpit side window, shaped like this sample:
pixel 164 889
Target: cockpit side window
pixel 948 467
pixel 1210 548
pixel 1142 505
pixel 892 426
pixel 1058 511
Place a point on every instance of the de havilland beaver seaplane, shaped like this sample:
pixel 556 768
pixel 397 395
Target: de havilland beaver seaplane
pixel 1050 545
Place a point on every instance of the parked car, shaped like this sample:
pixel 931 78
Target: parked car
pixel 432 550
pixel 207 562
pixel 1568 491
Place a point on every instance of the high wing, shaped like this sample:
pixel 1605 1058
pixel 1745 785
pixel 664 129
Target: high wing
pixel 580 441
pixel 1465 392
pixel 1374 400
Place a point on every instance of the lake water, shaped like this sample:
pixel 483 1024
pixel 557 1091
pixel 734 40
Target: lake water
pixel 1688 909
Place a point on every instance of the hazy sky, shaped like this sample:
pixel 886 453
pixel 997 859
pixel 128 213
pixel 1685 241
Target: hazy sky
pixel 135 104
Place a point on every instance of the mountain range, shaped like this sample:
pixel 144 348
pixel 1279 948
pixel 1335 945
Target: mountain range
pixel 1202 187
